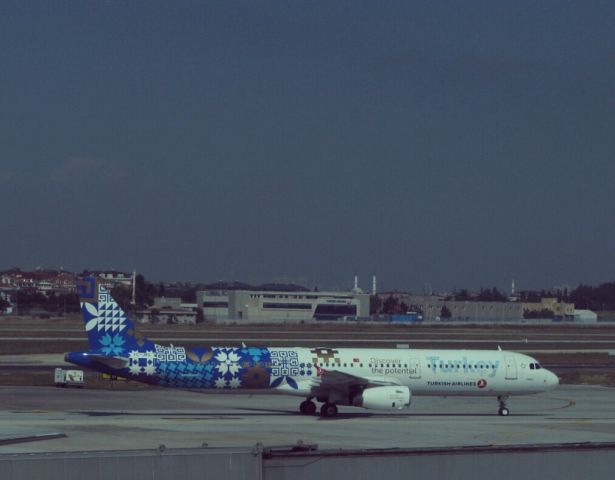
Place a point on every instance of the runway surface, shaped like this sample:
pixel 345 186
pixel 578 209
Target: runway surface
pixel 57 337
pixel 111 420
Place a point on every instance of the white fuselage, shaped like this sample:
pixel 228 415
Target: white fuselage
pixel 432 372
pixel 378 379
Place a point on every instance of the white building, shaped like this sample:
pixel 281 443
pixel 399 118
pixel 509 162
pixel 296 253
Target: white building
pixel 585 316
pixel 267 306
pixel 112 278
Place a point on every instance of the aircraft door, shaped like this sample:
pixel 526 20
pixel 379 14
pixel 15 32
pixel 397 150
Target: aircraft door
pixel 415 368
pixel 511 368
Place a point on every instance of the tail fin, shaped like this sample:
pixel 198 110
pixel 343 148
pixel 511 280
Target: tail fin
pixel 109 329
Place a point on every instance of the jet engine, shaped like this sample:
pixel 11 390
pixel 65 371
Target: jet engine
pixel 383 398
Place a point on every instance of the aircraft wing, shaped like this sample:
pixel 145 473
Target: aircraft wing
pixel 346 383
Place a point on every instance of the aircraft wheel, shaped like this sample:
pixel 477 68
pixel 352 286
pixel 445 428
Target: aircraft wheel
pixel 328 410
pixel 307 407
pixel 503 412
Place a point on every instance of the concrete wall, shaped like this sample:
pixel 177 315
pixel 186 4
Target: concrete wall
pixel 134 465
pixel 573 462
pixel 595 461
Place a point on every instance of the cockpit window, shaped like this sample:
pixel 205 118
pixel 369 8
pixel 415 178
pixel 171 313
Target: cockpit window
pixel 535 366
pixel 538 367
pixel 531 366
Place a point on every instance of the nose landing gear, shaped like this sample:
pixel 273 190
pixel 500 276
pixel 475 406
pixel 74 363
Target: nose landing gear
pixel 503 411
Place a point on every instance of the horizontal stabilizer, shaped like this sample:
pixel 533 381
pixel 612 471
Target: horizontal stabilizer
pixel 112 362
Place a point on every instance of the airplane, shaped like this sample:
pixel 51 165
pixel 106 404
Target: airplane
pixel 376 379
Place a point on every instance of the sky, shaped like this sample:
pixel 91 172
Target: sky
pixel 453 144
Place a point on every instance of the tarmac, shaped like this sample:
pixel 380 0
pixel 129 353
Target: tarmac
pixel 102 420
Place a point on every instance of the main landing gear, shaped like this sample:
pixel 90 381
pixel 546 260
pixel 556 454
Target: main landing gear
pixel 308 407
pixel 503 411
pixel 328 410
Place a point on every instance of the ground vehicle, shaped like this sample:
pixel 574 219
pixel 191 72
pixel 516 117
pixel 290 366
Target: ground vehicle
pixel 66 378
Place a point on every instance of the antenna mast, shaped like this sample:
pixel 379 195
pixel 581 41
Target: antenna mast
pixel 134 287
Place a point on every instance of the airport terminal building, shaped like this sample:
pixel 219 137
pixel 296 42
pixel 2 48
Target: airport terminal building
pixel 432 306
pixel 270 306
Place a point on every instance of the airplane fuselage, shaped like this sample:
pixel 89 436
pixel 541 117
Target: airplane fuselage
pixel 293 370
pixel 381 379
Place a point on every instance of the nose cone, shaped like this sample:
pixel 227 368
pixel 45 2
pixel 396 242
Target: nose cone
pixel 552 380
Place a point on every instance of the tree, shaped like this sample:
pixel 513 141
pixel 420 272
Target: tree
pixel 445 312
pixel 529 296
pixel 375 303
pixel 601 297
pixel 491 295
pixel 390 305
pixel 462 296
pixel 189 296
pixel 62 302
pixel 123 296
pixel 30 299
pixel 144 292
pixel 4 305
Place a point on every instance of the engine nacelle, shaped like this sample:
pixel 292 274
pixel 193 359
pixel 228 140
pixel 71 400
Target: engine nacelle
pixel 383 398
